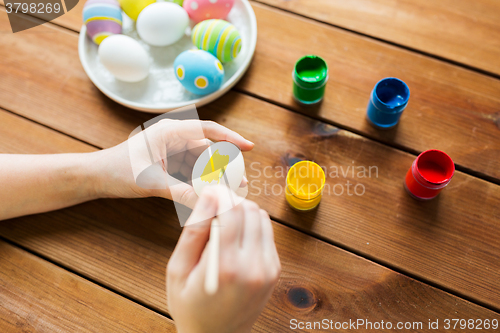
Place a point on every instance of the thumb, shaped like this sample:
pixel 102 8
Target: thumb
pixel 181 192
pixel 194 237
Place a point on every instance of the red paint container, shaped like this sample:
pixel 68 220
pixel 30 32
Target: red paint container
pixel 429 174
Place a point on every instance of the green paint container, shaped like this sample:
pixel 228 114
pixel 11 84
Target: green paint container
pixel 309 79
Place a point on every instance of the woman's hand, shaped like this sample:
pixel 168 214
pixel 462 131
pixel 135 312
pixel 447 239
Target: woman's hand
pixel 144 165
pixel 40 183
pixel 249 268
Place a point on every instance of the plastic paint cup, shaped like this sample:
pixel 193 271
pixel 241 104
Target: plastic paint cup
pixel 429 174
pixel 309 79
pixel 387 102
pixel 304 185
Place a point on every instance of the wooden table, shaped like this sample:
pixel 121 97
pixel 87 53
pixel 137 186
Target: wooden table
pixel 100 266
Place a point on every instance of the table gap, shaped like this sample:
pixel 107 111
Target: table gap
pixel 408 150
pixel 277 220
pixel 413 152
pixel 385 41
pixel 284 223
pixel 72 271
pixel 51 128
pixel 387 265
pixel 327 121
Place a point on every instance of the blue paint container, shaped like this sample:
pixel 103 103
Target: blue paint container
pixel 388 99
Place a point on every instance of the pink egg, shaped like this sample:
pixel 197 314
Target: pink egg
pixel 199 10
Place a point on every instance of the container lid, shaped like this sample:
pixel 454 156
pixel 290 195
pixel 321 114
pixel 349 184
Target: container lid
pixel 434 168
pixel 305 180
pixel 391 95
pixel 310 72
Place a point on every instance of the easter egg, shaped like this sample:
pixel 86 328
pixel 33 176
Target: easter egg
pixel 102 18
pixel 134 7
pixel 124 57
pixel 200 10
pixel 222 163
pixel 199 71
pixel 162 23
pixel 218 37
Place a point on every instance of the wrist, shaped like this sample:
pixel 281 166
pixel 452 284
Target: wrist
pixel 110 173
pixel 88 175
pixel 93 174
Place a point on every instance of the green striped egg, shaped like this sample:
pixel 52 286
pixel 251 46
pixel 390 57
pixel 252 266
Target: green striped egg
pixel 218 37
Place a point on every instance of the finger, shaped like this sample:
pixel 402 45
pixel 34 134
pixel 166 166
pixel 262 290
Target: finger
pixel 196 147
pixel 217 132
pixel 197 130
pixel 252 235
pixel 213 247
pixel 196 279
pixel 231 220
pixel 193 239
pixel 181 192
pixel 244 182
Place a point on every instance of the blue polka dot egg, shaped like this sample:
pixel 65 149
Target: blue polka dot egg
pixel 199 71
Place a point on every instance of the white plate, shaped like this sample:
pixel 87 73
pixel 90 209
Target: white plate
pixel 161 91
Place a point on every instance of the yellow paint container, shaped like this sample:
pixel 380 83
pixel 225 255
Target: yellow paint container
pixel 304 185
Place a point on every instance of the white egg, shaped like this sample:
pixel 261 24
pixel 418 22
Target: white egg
pixel 162 23
pixel 223 154
pixel 124 57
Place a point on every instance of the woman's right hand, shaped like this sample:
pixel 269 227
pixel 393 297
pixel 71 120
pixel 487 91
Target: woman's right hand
pixel 248 271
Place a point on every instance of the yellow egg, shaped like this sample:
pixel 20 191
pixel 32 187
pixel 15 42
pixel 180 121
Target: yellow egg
pixel 134 7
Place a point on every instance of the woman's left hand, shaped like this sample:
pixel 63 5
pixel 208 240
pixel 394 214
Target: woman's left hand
pixel 143 165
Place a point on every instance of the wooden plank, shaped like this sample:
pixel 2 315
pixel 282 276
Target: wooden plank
pixel 447 29
pixel 462 31
pixel 20 132
pixel 125 245
pixel 451 108
pixel 424 238
pixel 38 296
pixel 452 241
pixel 47 90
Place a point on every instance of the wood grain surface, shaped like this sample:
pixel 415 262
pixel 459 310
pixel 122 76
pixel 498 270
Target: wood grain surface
pixel 452 242
pixel 125 245
pixel 451 108
pixel 462 31
pixel 18 138
pixel 37 296
pixel 425 238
